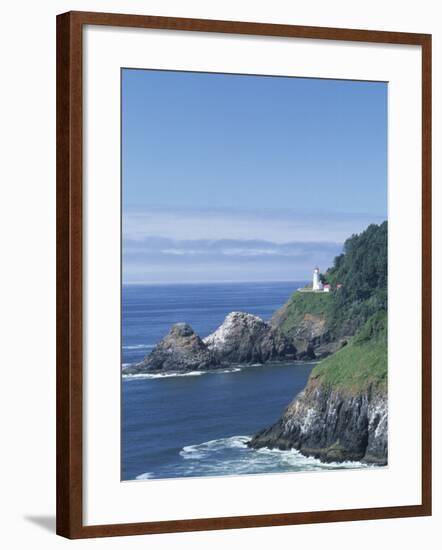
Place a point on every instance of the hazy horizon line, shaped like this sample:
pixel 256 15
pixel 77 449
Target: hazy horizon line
pixel 160 283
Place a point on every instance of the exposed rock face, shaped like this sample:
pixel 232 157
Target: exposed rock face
pixel 246 338
pixel 314 333
pixel 181 350
pixel 332 425
pixel 242 338
pixel 310 336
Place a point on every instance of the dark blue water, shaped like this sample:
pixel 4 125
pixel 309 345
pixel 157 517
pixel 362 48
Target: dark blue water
pixel 198 424
pixel 150 311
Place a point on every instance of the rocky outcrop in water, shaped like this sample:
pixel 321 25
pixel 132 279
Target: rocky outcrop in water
pixel 181 350
pixel 246 338
pixel 332 424
pixel 242 338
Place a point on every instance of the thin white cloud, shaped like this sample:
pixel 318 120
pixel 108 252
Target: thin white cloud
pixel 162 245
pixel 182 252
pixel 155 259
pixel 278 226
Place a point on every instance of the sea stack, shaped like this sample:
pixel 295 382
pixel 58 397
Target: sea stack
pixel 241 339
pixel 181 350
pixel 246 338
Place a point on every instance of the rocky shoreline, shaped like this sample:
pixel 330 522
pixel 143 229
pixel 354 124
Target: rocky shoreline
pixel 333 425
pixel 242 338
pixel 342 414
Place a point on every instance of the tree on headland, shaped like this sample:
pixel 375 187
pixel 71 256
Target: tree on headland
pixel 362 269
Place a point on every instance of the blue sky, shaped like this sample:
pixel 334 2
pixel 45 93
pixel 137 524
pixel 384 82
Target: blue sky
pixel 246 178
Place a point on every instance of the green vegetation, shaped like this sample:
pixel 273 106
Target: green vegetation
pixel 360 364
pixel 362 267
pixel 301 303
pixel 353 316
pixel 374 329
pixel 362 271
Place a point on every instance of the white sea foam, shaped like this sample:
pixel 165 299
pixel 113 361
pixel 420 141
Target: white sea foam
pixel 304 463
pixel 152 376
pixel 146 475
pixel 140 346
pixel 230 455
pixel 163 375
pixel 149 376
pixel 202 450
pixel 226 371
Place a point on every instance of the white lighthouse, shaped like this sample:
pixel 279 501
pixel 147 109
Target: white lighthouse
pixel 317 285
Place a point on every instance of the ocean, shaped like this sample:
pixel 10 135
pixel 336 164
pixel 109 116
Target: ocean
pixel 198 424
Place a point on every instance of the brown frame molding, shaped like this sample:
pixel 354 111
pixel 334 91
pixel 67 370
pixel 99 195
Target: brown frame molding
pixel 69 273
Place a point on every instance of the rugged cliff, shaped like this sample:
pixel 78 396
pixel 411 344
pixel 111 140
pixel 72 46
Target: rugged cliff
pixel 306 319
pixel 332 425
pixel 242 338
pixel 342 414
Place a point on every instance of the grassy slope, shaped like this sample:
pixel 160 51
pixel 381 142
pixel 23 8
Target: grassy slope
pixel 301 303
pixel 362 269
pixel 362 363
pixel 358 309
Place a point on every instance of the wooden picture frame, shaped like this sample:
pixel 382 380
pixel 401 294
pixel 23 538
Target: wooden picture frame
pixel 70 273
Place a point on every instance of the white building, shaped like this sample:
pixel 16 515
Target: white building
pixel 317 284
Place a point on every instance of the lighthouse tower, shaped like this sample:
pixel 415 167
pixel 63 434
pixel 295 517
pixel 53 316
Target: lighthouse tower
pixel 317 285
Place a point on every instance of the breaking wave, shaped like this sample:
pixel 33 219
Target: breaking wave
pixel 162 375
pixel 203 450
pixel 230 455
pixel 149 376
pixel 139 346
pixel 146 475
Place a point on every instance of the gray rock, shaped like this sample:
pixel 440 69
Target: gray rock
pixel 242 338
pixel 333 425
pixel 246 338
pixel 181 350
pixel 311 335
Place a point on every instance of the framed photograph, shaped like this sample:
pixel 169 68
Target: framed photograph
pixel 243 274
